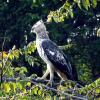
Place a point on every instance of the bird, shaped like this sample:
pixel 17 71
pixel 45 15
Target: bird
pixel 51 54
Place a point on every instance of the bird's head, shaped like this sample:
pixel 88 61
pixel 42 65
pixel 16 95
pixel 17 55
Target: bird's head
pixel 38 27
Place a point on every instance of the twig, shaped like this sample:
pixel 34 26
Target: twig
pixel 36 82
pixel 61 92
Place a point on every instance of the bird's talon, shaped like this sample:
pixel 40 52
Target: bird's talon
pixel 50 83
pixel 39 79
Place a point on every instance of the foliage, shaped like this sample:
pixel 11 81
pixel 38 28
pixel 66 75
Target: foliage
pixel 69 9
pixel 75 26
pixel 92 89
pixel 14 54
pixel 28 89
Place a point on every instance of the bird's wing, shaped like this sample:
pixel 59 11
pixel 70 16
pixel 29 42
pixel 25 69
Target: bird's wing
pixel 57 57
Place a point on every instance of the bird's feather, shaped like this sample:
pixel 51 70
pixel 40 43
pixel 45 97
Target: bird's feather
pixel 57 57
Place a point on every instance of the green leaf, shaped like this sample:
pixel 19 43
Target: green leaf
pixel 11 72
pixel 28 83
pixel 67 5
pixel 6 87
pixel 24 91
pixel 39 92
pixel 0 65
pixel 24 69
pixel 78 3
pixel 61 19
pixel 86 4
pixel 71 13
pixel 94 3
pixel 0 93
pixel 17 69
pixel 19 85
pixel 14 86
pixel 11 56
pixel 97 90
pixel 35 90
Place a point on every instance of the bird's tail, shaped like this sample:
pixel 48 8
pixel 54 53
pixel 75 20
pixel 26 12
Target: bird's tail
pixel 72 75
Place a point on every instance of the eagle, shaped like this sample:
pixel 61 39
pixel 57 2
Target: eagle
pixel 50 53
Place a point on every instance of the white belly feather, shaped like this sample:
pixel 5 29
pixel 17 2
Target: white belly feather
pixel 40 50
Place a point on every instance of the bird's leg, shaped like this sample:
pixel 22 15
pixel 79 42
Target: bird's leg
pixel 44 76
pixel 62 76
pixel 51 69
pixel 62 82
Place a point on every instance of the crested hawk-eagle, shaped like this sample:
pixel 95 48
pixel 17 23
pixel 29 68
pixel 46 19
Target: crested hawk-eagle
pixel 54 57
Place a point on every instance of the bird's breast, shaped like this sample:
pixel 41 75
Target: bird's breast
pixel 41 51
